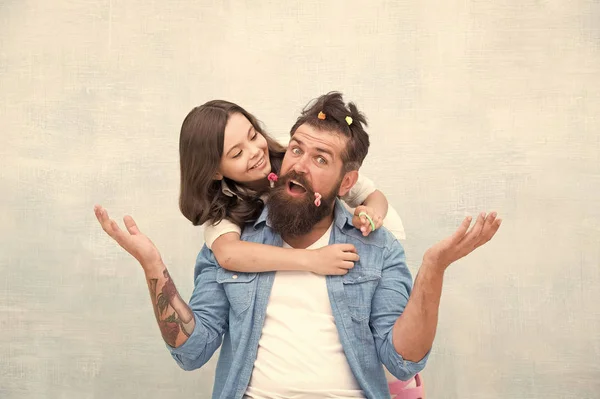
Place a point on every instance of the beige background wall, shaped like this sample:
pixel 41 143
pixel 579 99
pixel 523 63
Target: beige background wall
pixel 474 105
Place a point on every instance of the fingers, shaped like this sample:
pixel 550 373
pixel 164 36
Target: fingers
pixel 349 252
pixel 98 211
pixel 489 222
pixel 131 226
pixel 115 230
pixel 351 256
pixel 364 225
pixel 359 209
pixel 339 272
pixel 361 222
pixel 459 234
pixel 346 247
pixel 357 222
pixel 107 225
pixel 491 226
pixel 344 261
pixel 347 265
pixel 367 228
pixel 472 235
pixel 484 229
pixel 110 226
pixel 368 221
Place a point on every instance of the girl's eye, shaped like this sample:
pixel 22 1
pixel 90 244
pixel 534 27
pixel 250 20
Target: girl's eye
pixel 254 137
pixel 237 155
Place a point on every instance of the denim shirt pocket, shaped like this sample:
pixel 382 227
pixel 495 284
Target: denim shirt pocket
pixel 239 287
pixel 359 289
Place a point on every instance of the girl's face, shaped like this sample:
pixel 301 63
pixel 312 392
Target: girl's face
pixel 245 156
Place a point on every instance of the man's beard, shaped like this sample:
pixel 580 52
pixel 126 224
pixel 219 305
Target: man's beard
pixel 295 216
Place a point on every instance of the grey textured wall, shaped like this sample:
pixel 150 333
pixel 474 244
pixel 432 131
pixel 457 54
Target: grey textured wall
pixel 474 105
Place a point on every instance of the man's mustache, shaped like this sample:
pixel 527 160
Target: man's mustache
pixel 293 175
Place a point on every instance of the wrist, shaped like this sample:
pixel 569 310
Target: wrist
pixel 154 269
pixel 307 260
pixel 432 268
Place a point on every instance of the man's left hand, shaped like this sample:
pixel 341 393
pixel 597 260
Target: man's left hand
pixel 462 242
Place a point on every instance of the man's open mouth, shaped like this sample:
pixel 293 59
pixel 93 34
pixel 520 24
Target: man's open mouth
pixel 296 188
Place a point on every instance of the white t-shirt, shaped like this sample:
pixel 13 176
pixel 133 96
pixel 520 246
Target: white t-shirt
pixel 299 354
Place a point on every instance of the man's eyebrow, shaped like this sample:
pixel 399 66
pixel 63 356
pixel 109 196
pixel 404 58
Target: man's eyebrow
pixel 236 144
pixel 319 149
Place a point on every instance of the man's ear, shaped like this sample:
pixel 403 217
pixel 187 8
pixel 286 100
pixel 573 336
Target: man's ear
pixel 348 182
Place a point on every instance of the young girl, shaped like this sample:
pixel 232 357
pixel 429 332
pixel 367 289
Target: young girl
pixel 225 159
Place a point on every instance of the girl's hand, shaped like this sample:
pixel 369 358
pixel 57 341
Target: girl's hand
pixel 334 259
pixel 362 223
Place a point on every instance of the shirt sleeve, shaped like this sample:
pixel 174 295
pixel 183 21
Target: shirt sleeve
pixel 211 314
pixel 359 192
pixel 214 231
pixel 389 302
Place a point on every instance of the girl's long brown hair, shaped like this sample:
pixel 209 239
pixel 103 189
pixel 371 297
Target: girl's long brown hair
pixel 200 150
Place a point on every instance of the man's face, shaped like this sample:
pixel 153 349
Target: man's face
pixel 316 155
pixel 312 164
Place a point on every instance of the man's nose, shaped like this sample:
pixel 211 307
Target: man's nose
pixel 300 166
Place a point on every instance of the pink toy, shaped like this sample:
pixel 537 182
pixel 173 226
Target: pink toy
pixel 399 391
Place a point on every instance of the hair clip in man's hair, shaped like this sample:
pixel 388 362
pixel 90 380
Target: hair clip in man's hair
pixel 349 120
pixel 272 177
pixel 321 115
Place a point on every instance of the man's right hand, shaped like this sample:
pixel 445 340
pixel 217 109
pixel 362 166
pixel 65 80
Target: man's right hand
pixel 132 240
pixel 334 259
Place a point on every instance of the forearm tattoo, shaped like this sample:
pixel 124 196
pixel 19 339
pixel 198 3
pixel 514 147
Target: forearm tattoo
pixel 172 314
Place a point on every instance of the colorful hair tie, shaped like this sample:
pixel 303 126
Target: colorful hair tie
pixel 369 219
pixel 349 120
pixel 321 115
pixel 272 177
pixel 317 199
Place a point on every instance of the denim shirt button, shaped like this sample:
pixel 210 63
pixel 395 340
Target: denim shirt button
pixel 234 276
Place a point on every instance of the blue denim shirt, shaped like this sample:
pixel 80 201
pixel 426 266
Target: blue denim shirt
pixel 230 307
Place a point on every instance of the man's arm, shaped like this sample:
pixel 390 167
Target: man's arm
pixel 404 329
pixel 414 331
pixel 193 332
pixel 389 302
pixel 210 308
pixel 174 317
